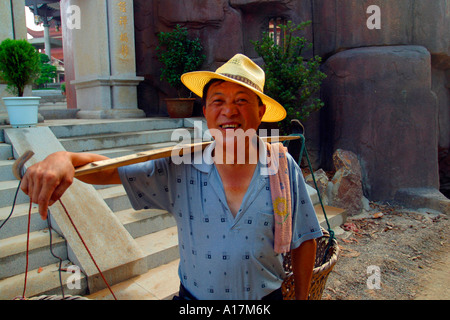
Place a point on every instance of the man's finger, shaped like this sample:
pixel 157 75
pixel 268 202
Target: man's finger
pixel 59 191
pixel 44 197
pixel 24 185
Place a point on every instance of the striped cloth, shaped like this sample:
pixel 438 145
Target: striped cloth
pixel 281 197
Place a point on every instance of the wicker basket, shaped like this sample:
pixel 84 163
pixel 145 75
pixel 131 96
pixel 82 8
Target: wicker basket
pixel 320 272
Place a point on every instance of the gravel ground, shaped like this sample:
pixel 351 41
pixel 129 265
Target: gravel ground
pixel 392 253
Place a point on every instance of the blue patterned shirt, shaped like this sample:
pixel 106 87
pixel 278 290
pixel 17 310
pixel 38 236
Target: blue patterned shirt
pixel 221 256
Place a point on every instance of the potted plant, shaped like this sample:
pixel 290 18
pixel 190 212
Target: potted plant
pixel 179 55
pixel 19 66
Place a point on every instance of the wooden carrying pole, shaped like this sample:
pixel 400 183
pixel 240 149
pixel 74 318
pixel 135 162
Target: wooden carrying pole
pixel 155 154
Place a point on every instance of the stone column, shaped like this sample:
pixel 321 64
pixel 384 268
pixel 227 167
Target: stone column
pixel 104 59
pixel 67 27
pixel 9 9
pixel 48 46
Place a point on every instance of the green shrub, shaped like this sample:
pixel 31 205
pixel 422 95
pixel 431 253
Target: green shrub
pixel 19 65
pixel 291 79
pixel 179 55
pixel 48 71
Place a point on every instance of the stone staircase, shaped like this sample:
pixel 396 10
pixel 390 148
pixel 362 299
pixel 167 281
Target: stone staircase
pixel 113 139
pixel 154 230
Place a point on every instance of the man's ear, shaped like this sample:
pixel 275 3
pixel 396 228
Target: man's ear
pixel 204 111
pixel 262 111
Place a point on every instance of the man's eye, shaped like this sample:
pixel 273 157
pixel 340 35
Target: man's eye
pixel 215 102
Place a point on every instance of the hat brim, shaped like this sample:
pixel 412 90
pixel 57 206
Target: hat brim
pixel 196 81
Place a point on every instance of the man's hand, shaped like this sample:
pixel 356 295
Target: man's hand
pixel 46 181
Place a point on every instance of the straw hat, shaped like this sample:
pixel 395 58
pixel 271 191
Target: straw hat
pixel 241 70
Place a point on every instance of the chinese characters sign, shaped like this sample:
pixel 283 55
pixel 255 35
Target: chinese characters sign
pixel 123 23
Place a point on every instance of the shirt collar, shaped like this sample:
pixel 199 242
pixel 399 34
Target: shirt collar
pixel 203 161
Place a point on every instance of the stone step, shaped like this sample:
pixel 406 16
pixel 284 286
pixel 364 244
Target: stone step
pixel 79 127
pixel 18 222
pixel 6 170
pixel 116 198
pixel 54 106
pixel 115 140
pixel 123 151
pixel 160 283
pixel 13 252
pixel 50 96
pixel 143 222
pixel 55 111
pixel 8 190
pixel 160 247
pixel 5 151
pixel 138 223
pixel 43 281
pixel 336 216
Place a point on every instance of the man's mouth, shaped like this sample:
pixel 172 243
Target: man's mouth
pixel 230 126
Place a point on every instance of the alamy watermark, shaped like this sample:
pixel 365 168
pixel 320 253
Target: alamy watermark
pixel 73 17
pixel 374 279
pixel 73 282
pixel 239 147
pixel 374 20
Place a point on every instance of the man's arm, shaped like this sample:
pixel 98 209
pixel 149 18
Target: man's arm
pixel 302 266
pixel 46 181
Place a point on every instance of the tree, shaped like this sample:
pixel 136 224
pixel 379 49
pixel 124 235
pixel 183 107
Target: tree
pixel 179 55
pixel 291 79
pixel 48 71
pixel 19 65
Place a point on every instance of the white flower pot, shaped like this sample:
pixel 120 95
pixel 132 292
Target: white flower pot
pixel 22 111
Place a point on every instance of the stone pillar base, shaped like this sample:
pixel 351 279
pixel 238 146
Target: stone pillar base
pixel 108 98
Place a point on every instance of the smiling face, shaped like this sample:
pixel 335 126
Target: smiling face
pixel 230 106
pixel 233 114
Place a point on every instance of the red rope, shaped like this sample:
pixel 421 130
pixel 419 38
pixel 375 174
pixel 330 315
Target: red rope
pixel 87 249
pixel 81 238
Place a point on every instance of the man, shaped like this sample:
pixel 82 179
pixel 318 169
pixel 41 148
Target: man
pixel 223 207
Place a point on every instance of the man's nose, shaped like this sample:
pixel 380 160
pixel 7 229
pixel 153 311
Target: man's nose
pixel 230 109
